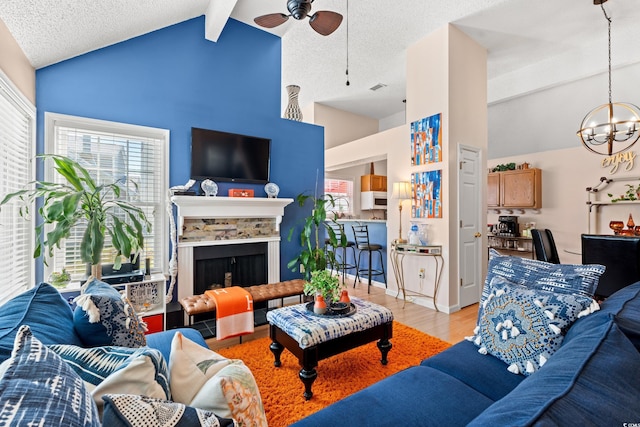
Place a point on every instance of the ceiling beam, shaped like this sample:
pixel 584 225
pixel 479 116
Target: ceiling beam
pixel 216 17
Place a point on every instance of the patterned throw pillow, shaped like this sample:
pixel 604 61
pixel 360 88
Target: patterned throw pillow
pixel 105 317
pixel 124 370
pixel 121 410
pixel 559 278
pixel 39 389
pixel 204 379
pixel 523 327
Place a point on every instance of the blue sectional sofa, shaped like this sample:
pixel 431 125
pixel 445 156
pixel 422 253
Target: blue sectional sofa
pixel 592 379
pixel 49 376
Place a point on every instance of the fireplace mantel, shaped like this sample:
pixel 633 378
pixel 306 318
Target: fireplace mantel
pixel 229 207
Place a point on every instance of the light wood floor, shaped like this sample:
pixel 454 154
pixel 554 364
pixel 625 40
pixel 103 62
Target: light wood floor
pixel 448 327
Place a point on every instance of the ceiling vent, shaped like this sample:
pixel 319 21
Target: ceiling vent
pixel 378 86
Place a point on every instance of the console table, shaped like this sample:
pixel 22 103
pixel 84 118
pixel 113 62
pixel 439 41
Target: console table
pixel 400 250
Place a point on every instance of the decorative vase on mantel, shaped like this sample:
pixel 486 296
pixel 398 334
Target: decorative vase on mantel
pixel 293 112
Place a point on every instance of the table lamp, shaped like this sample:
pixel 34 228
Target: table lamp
pixel 401 191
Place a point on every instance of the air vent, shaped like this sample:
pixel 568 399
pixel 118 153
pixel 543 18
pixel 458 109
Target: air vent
pixel 378 86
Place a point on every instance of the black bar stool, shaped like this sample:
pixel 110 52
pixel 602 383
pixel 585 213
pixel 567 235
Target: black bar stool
pixel 341 256
pixel 361 235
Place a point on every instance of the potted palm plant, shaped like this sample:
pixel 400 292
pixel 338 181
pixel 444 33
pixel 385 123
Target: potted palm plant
pixel 81 201
pixel 313 256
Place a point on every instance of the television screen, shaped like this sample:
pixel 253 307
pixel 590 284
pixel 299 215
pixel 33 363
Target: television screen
pixel 224 156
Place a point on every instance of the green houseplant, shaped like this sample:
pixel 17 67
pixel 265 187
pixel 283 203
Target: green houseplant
pixel 82 201
pixel 313 256
pixel 632 193
pixel 324 283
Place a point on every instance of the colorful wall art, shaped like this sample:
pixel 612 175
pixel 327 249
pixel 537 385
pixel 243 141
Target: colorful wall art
pixel 426 189
pixel 426 141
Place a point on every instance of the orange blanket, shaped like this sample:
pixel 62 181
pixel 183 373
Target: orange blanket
pixel 234 311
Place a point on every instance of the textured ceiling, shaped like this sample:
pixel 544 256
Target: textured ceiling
pixel 531 44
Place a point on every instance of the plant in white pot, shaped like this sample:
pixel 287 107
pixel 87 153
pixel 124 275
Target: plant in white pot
pixel 81 201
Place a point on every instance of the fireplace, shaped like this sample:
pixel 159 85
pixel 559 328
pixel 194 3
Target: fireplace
pixel 224 224
pixel 242 264
pixel 233 265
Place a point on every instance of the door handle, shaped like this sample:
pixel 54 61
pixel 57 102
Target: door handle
pixel 478 234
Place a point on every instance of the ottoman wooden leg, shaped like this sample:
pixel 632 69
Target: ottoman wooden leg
pixel 276 348
pixel 308 376
pixel 384 345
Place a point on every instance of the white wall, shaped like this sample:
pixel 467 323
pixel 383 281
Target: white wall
pixel 15 64
pixel 354 173
pixel 566 174
pixel 340 126
pixel 446 73
pixel 548 119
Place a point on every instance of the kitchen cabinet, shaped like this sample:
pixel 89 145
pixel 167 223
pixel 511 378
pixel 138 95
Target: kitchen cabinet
pixel 520 189
pixel 493 190
pixel 373 183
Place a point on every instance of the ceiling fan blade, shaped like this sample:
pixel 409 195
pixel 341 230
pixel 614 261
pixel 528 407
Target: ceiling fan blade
pixel 271 20
pixel 325 22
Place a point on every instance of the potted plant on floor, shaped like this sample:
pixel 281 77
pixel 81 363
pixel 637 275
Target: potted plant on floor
pixel 313 256
pixel 81 201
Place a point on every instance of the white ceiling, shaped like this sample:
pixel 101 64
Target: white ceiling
pixel 531 44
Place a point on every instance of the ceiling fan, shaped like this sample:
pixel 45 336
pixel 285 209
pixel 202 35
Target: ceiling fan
pixel 323 22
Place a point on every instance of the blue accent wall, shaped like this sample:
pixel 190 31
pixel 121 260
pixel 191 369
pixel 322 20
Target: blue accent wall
pixel 175 79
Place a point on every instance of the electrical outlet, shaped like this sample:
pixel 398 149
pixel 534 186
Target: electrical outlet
pixel 301 268
pixel 421 273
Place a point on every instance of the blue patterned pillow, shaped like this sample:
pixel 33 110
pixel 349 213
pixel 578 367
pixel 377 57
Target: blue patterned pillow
pixel 105 317
pixel 523 327
pixel 118 369
pixel 40 389
pixel 560 278
pixel 122 410
pixel 36 308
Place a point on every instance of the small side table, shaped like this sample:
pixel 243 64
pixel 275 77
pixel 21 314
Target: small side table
pixel 312 338
pixel 398 252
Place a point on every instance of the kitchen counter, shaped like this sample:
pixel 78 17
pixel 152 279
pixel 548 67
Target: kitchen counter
pixel 377 234
pixel 361 220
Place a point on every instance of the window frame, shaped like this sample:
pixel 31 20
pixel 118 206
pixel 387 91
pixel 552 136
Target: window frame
pixel 349 198
pixel 160 230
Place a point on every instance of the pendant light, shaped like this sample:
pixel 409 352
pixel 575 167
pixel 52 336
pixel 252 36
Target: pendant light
pixel 612 123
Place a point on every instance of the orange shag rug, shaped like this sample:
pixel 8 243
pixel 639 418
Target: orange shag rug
pixel 338 377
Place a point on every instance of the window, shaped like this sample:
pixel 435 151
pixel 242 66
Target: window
pixel 342 192
pixel 110 151
pixel 17 145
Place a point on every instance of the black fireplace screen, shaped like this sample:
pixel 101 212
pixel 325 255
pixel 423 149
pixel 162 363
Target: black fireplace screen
pixel 229 265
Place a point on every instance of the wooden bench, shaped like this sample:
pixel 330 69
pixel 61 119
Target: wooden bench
pixel 198 304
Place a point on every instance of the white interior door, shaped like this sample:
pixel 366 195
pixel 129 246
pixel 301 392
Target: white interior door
pixel 470 215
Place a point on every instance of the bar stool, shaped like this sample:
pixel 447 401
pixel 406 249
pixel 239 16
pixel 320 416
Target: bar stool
pixel 341 257
pixel 361 235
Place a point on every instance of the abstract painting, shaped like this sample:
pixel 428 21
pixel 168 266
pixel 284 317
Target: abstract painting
pixel 426 141
pixel 426 189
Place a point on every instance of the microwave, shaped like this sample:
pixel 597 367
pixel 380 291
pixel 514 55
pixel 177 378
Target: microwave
pixel 370 200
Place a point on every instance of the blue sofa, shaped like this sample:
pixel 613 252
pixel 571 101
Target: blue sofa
pixel 593 379
pixel 51 320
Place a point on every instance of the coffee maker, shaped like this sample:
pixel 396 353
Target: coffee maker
pixel 508 226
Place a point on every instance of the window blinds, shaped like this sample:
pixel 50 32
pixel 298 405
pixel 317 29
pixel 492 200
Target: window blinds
pixel 342 192
pixel 135 156
pixel 17 118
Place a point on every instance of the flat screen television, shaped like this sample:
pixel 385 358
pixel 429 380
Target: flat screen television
pixel 224 156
